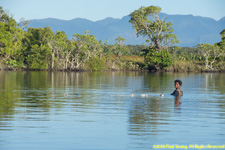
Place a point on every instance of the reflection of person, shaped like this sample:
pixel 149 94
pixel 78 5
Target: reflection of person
pixel 178 91
pixel 177 101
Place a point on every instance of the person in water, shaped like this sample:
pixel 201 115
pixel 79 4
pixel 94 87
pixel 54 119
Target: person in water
pixel 178 91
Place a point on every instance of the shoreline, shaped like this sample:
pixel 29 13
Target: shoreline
pixel 113 70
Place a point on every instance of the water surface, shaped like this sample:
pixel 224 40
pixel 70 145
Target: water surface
pixel 94 110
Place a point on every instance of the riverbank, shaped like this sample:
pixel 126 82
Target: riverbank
pixel 133 63
pixel 170 69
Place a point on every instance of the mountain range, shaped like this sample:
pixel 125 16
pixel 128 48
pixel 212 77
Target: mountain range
pixel 190 30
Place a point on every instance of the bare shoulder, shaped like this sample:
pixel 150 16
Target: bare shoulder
pixel 180 92
pixel 177 92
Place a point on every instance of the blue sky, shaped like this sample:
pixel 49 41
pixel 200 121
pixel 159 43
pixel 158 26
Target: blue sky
pixel 99 9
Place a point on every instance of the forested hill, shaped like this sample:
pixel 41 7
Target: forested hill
pixel 191 30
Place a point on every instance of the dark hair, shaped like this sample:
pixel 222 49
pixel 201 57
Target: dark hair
pixel 179 81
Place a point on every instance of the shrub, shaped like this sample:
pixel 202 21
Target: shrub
pixel 96 63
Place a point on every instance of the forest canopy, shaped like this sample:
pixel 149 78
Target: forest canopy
pixel 23 48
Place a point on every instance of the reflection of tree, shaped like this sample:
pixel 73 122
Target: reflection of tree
pixel 35 85
pixel 40 92
pixel 10 82
pixel 222 107
pixel 214 82
pixel 219 82
pixel 158 82
pixel 147 114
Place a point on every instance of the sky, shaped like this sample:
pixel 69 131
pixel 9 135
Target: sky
pixel 95 10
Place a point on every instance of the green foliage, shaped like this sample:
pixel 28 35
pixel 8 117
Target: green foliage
pixel 11 63
pixel 37 51
pixel 211 53
pixel 119 48
pixel 222 33
pixel 96 63
pixel 186 53
pixel 58 45
pixel 160 60
pixel 184 66
pixel 222 43
pixel 146 22
pixel 41 48
pixel 10 41
pixel 135 49
pixel 81 48
pixel 38 57
pixel 39 36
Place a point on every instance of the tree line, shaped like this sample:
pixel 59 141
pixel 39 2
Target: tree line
pixel 42 49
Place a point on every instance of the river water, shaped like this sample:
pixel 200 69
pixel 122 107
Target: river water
pixel 95 110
